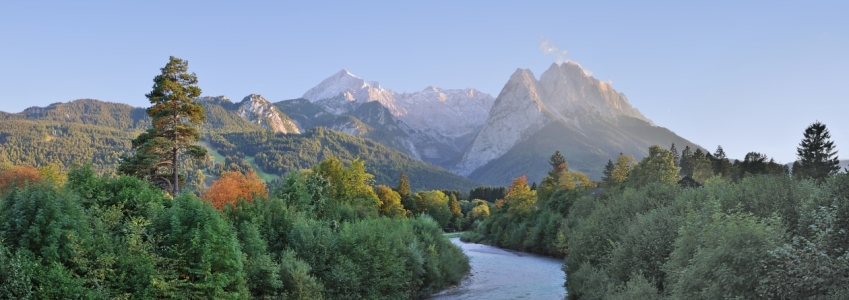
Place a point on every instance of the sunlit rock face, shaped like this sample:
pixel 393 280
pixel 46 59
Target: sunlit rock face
pixel 567 88
pixel 438 123
pixel 343 92
pixel 564 93
pixel 259 111
pixel 518 111
pixel 442 122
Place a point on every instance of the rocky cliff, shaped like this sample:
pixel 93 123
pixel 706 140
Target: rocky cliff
pixel 565 110
pixel 439 123
pixel 259 111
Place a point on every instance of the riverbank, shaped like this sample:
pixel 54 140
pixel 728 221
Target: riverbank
pixel 505 274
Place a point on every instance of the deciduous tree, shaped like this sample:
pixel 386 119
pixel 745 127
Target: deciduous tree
pixel 18 176
pixel 658 166
pixel 390 202
pixel 232 186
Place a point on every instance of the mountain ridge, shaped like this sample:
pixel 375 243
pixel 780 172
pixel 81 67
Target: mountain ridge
pixel 565 110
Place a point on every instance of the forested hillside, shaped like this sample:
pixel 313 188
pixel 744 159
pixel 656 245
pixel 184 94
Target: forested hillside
pixel 43 143
pixel 97 132
pixel 277 153
pixel 87 111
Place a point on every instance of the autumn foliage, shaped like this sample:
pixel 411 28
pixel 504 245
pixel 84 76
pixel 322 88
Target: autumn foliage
pixel 18 176
pixel 232 186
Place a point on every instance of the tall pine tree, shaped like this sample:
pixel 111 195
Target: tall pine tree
pixel 675 156
pixel 721 164
pixel 816 154
pixel 175 117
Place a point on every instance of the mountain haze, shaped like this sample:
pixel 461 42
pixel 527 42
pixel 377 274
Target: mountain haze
pixel 440 123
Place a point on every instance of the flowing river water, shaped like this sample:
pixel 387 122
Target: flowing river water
pixel 505 274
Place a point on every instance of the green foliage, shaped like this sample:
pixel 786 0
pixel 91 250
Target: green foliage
pixel 350 186
pixel 390 202
pixel 720 163
pixel 174 117
pixel 43 143
pixel 296 279
pixel 318 235
pixel 488 193
pixel 723 258
pixel 636 288
pixel 434 204
pixel 404 189
pixel 15 283
pixel 762 237
pixel 816 154
pixel 42 222
pixel 203 248
pixel 278 153
pixel 530 220
pixel 658 166
pixel 756 163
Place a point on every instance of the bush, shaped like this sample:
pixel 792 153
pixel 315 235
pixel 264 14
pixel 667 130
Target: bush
pixel 203 250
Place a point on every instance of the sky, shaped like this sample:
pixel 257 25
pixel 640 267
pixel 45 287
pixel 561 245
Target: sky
pixel 746 75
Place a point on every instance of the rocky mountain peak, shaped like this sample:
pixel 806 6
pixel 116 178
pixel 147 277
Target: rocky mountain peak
pixel 518 112
pixel 343 91
pixel 258 110
pixel 567 88
pixel 440 122
pixel 335 85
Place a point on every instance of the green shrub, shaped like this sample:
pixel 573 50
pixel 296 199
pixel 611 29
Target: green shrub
pixel 202 249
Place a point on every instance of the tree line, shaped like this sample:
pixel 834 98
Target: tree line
pixel 751 229
pixel 321 232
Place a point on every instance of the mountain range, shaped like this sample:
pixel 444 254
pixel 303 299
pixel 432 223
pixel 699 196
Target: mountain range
pixel 474 135
pixel 491 140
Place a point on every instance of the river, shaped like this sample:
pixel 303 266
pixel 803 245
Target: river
pixel 505 274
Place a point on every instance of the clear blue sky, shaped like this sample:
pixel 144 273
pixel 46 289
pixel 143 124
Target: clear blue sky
pixel 748 76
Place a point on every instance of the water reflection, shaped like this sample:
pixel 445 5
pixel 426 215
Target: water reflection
pixel 502 274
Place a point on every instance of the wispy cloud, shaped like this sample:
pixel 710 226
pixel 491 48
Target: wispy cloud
pixel 550 48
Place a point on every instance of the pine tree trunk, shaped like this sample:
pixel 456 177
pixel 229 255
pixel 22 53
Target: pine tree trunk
pixel 174 162
pixel 176 177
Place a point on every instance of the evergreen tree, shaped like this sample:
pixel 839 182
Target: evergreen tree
pixel 675 156
pixel 175 117
pixel 687 162
pixel 721 164
pixel 817 156
pixel 608 169
pixel 558 164
pixel 404 185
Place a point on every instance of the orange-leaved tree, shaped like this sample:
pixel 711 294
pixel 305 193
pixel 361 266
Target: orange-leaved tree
pixel 18 176
pixel 232 186
pixel 520 198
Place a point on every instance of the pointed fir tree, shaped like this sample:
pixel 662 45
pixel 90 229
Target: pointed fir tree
pixel 816 154
pixel 608 169
pixel 721 164
pixel 404 185
pixel 686 163
pixel 675 156
pixel 558 164
pixel 175 117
